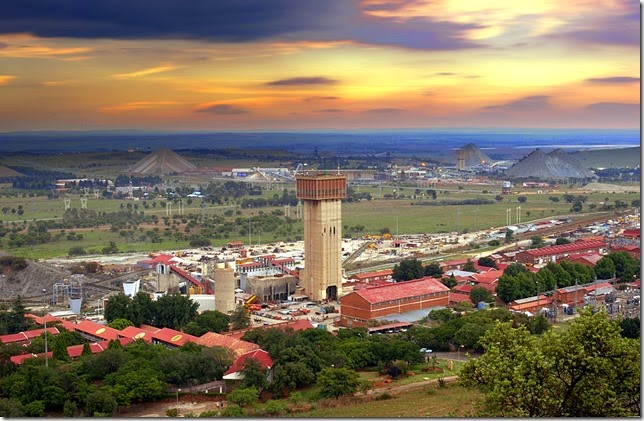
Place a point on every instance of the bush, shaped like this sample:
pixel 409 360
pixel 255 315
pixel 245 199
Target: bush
pixel 35 409
pixel 233 411
pixel 442 383
pixel 274 407
pixel 384 396
pixel 172 412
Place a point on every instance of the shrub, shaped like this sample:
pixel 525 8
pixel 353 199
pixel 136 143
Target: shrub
pixel 172 412
pixel 384 396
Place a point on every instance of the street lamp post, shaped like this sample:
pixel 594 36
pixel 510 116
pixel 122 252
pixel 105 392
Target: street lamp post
pixel 459 351
pixel 44 292
pixel 178 390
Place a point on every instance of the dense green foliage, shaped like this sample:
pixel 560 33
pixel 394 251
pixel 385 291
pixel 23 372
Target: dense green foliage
pixel 96 384
pixel 408 269
pixel 172 310
pixel 589 370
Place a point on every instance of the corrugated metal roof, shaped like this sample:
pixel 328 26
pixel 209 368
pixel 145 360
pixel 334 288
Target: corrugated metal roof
pixel 236 346
pixel 94 329
pixel 136 333
pixel 400 290
pixel 26 335
pixel 565 248
pixel 173 337
pixel 455 297
pixel 486 278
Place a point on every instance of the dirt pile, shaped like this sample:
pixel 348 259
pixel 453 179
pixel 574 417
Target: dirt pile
pixel 472 155
pixel 162 162
pixel 555 165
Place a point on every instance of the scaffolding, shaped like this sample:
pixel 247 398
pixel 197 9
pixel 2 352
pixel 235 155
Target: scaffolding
pixel 67 289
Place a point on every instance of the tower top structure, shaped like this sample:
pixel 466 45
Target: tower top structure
pixel 321 186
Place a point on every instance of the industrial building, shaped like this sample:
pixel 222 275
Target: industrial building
pixel 544 255
pixel 360 306
pixel 322 197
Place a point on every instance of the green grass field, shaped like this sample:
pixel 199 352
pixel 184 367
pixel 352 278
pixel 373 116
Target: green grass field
pixel 398 215
pixel 430 401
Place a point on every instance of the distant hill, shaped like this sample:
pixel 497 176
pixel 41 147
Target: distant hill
pixel 8 172
pixel 609 158
pixel 549 166
pixel 162 162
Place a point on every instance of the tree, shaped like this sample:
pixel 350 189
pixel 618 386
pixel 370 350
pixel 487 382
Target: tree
pixel 100 402
pixel 450 282
pixel 254 375
pixel 605 268
pixel 522 199
pixel 336 382
pixel 240 318
pixel 553 199
pixel 561 241
pixel 213 321
pixel 487 262
pixel 498 198
pixel 588 370
pixel 120 324
pixel 243 396
pixel 118 307
pixel 408 269
pixel 434 270
pixel 576 206
pixel 469 266
pixel 479 294
pixel 630 327
pixel 508 235
pixel 174 311
pixel 537 241
pixel 494 243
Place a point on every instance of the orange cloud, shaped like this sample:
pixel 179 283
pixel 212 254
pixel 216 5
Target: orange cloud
pixel 6 79
pixel 136 105
pixel 144 72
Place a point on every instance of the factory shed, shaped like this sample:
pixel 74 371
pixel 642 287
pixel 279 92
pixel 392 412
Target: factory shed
pixel 172 338
pixel 357 307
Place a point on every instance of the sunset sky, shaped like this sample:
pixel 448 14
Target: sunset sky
pixel 328 64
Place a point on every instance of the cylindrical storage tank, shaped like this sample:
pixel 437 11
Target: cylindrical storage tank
pixel 224 289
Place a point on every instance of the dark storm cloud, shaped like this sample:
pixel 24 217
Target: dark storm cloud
pixel 614 79
pixel 228 21
pixel 294 81
pixel 223 109
pixel 529 103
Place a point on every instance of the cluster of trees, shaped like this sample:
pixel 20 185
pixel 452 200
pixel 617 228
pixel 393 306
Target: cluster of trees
pixel 517 282
pixel 463 202
pixel 409 269
pixel 13 320
pixel 13 263
pixel 589 370
pixel 126 180
pixel 172 310
pixel 97 384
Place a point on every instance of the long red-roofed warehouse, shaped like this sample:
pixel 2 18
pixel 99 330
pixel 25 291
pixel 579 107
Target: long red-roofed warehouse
pixel 362 305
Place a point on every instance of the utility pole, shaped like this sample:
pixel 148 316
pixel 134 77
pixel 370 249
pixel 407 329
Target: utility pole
pixel 44 291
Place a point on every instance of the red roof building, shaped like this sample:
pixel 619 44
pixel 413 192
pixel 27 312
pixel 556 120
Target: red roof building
pixel 234 345
pixel 26 336
pixel 368 277
pixel 299 324
pixel 357 307
pixel 632 233
pixel 586 259
pixel 96 332
pixel 453 264
pixel 172 338
pixel 490 278
pixel 553 253
pixel 265 362
pixel 132 332
pixel 19 359
pixel 76 351
pixel 457 297
pixel 633 250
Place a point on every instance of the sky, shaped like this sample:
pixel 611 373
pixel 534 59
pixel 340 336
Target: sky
pixel 313 65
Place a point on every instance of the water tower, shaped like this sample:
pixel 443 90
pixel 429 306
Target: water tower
pixel 224 287
pixel 322 197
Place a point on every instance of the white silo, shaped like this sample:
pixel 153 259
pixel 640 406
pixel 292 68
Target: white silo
pixel 224 288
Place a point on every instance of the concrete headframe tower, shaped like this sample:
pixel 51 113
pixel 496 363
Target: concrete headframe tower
pixel 322 195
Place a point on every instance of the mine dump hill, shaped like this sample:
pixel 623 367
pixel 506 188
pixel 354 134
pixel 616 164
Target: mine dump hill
pixel 472 155
pixel 8 172
pixel 609 158
pixel 549 166
pixel 162 162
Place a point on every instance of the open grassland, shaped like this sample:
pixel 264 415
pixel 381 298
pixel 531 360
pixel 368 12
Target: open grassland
pixel 403 216
pixel 429 401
